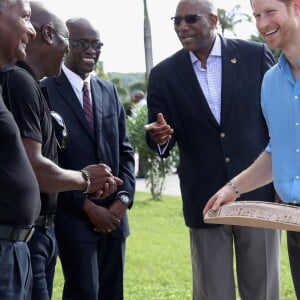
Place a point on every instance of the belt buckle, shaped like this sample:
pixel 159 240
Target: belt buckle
pixel 29 235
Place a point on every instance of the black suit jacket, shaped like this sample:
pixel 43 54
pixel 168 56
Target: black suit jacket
pixel 211 154
pixel 108 144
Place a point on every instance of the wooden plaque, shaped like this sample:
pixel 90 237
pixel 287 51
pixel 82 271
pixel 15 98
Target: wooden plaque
pixel 256 214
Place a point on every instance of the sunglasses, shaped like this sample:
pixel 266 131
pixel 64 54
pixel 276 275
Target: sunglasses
pixel 62 137
pixel 189 19
pixel 85 44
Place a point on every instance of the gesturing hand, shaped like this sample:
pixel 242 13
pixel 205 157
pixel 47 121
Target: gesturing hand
pixel 160 132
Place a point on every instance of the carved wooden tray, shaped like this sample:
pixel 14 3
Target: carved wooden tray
pixel 256 214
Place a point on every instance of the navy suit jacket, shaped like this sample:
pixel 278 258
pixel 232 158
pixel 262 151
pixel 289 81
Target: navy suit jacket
pixel 211 154
pixel 108 144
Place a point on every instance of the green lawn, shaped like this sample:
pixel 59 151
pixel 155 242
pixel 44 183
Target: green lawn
pixel 157 257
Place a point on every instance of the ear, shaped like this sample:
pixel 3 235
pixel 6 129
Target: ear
pixel 47 33
pixel 213 20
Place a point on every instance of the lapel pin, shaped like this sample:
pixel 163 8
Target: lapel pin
pixel 233 60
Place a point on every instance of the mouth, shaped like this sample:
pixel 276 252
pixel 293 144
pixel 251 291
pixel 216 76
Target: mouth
pixel 88 60
pixel 270 33
pixel 23 44
pixel 186 39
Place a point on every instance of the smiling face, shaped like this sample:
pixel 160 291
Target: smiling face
pixel 16 31
pixel 277 21
pixel 198 36
pixel 84 51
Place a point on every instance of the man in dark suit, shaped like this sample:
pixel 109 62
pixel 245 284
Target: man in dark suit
pixel 206 98
pixel 91 243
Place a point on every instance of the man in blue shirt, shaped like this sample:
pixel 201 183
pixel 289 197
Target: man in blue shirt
pixel 278 22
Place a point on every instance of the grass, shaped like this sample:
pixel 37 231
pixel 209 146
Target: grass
pixel 158 263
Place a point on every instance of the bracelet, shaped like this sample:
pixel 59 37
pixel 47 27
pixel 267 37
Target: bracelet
pixel 237 193
pixel 87 178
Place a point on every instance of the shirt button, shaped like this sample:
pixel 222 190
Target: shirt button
pixel 296 97
pixel 222 134
pixel 297 123
pixel 297 177
pixel 297 150
pixel 227 159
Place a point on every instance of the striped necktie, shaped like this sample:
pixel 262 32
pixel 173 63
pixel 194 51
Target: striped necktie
pixel 87 104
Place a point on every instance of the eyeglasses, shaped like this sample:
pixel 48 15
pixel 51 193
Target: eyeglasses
pixel 61 131
pixel 189 19
pixel 85 44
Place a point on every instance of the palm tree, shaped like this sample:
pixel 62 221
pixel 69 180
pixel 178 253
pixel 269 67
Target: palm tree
pixel 228 20
pixel 147 41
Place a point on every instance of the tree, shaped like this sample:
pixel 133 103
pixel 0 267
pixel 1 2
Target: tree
pixel 228 20
pixel 276 52
pixel 147 41
pixel 99 70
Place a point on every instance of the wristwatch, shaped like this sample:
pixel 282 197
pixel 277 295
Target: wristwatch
pixel 124 198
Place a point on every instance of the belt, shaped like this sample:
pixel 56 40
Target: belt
pixel 45 221
pixel 19 234
pixel 293 204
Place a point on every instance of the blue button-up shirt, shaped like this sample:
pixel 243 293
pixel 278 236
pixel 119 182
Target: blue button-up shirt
pixel 281 108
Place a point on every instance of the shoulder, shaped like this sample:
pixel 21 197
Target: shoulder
pixel 172 62
pixel 102 83
pixel 243 44
pixel 17 75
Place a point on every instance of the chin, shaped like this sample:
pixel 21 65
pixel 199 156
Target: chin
pixel 21 55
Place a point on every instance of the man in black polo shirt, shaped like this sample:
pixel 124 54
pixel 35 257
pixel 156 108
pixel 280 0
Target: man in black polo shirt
pixel 19 193
pixel 29 106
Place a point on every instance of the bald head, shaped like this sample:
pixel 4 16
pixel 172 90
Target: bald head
pixel 207 5
pixel 41 16
pixel 80 26
pixel 51 41
pixel 85 46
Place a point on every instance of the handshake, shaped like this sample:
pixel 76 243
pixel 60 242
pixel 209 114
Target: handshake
pixel 99 181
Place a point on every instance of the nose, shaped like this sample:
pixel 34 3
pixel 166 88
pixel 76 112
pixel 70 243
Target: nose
pixel 183 24
pixel 90 48
pixel 31 31
pixel 262 22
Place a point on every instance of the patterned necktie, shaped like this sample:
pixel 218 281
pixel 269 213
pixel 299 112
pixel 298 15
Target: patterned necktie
pixel 87 104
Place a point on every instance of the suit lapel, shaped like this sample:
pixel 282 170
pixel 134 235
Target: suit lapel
pixel 230 67
pixel 68 95
pixel 189 80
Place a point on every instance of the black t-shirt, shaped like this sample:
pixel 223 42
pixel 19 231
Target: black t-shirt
pixel 19 191
pixel 24 98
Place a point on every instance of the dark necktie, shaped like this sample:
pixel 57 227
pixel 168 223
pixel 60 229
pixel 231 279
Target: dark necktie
pixel 87 104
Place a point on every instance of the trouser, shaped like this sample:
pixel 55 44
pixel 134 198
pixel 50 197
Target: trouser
pixel 15 271
pixel 257 254
pixel 43 252
pixel 93 270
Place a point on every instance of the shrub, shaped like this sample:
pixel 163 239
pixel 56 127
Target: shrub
pixel 155 168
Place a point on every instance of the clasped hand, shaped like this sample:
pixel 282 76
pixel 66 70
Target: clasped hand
pixel 103 183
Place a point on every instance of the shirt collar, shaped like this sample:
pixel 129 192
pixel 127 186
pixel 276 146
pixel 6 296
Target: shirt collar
pixel 75 79
pixel 215 51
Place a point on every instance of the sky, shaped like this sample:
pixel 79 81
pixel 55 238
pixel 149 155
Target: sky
pixel 120 23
